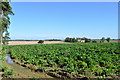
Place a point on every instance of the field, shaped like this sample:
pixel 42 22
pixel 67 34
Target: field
pixel 45 42
pixel 72 60
pixel 32 42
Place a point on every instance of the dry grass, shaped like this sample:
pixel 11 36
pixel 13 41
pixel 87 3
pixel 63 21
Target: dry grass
pixel 33 42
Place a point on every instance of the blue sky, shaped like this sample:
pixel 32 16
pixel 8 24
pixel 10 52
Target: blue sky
pixel 65 0
pixel 48 20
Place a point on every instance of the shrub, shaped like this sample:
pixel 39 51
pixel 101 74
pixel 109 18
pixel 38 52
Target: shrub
pixel 41 41
pixel 94 41
pixel 6 74
pixel 88 40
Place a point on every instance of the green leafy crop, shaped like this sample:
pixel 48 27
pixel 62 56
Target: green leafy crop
pixel 99 59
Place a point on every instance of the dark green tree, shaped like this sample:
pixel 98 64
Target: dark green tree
pixel 108 39
pixel 103 39
pixel 70 39
pixel 94 41
pixel 86 39
pixel 5 38
pixel 5 11
pixel 67 39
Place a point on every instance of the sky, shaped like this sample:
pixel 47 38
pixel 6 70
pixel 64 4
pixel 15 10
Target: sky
pixel 65 0
pixel 58 20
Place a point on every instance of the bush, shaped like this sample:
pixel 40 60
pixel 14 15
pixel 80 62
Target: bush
pixel 5 42
pixel 88 40
pixel 94 41
pixel 41 41
pixel 8 73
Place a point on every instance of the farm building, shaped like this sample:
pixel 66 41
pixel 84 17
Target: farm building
pixel 80 40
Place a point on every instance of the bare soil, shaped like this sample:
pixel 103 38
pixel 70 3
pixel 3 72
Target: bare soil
pixel 22 72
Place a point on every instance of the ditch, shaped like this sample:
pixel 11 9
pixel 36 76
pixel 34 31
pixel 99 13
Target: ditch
pixel 22 72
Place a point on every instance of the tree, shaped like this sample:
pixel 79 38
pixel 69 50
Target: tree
pixel 103 39
pixel 70 39
pixel 108 39
pixel 5 11
pixel 67 39
pixel 86 39
pixel 94 41
pixel 5 38
pixel 73 40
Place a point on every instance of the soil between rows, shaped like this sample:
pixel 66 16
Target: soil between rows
pixel 22 72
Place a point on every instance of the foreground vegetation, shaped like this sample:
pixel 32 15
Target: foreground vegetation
pixel 69 60
pixel 5 71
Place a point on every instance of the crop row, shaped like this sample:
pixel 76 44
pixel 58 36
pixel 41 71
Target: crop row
pixel 97 59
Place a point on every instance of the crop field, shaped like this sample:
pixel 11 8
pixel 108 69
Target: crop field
pixel 69 60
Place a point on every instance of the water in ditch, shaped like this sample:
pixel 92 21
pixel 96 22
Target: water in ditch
pixel 9 60
pixel 23 72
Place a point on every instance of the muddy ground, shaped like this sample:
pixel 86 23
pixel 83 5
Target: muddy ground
pixel 22 72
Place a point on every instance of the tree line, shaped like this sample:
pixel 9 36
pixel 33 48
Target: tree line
pixel 68 39
pixel 86 40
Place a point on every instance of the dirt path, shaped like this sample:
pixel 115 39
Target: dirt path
pixel 22 72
